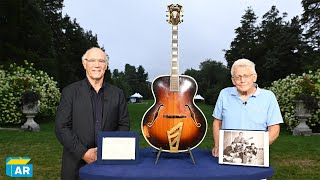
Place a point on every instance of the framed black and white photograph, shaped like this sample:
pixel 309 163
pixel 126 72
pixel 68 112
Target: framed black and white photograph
pixel 244 147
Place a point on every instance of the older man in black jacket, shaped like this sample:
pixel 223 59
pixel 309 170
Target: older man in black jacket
pixel 86 107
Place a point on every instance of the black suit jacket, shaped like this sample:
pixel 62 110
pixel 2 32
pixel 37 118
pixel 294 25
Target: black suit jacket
pixel 74 126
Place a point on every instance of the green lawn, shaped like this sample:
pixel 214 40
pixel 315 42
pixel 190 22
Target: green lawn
pixel 292 157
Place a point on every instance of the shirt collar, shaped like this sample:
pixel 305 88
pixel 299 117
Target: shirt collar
pixel 89 86
pixel 258 91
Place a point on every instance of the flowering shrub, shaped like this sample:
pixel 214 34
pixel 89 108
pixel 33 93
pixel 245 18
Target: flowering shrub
pixel 15 80
pixel 305 87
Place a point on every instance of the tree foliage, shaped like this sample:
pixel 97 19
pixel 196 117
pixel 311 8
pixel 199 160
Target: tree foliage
pixel 211 78
pixel 290 89
pixel 311 20
pixel 246 39
pixel 132 80
pixel 276 46
pixel 24 33
pixel 36 30
pixel 279 47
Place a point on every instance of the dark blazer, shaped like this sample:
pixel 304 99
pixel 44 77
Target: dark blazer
pixel 74 125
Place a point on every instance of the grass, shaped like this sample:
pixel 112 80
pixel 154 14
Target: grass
pixel 292 157
pixel 296 157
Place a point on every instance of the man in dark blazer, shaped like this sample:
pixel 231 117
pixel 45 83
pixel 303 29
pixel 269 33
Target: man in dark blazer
pixel 86 107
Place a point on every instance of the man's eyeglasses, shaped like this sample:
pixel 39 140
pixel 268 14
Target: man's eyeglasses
pixel 244 77
pixel 96 60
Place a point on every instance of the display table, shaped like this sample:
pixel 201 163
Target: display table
pixel 174 166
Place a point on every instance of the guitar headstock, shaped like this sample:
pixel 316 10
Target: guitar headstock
pixel 174 14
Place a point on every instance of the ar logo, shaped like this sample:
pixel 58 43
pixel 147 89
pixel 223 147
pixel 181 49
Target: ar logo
pixel 18 167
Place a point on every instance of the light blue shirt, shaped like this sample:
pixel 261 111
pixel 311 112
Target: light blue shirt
pixel 257 113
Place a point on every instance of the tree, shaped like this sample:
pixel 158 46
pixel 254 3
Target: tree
pixel 52 11
pixel 24 33
pixel 275 46
pixel 35 30
pixel 132 80
pixel 311 21
pixel 279 47
pixel 119 80
pixel 115 73
pixel 137 80
pixel 143 87
pixel 211 78
pixel 141 75
pixel 131 77
pixel 244 44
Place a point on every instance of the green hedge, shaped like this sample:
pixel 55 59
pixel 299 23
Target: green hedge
pixel 291 88
pixel 14 81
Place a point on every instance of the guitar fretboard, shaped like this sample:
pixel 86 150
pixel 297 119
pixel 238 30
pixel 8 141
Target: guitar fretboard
pixel 174 77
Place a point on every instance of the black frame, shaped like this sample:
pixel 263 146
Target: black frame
pixel 119 134
pixel 260 138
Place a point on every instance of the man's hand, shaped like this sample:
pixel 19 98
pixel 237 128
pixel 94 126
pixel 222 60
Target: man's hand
pixel 216 126
pixel 90 156
pixel 215 152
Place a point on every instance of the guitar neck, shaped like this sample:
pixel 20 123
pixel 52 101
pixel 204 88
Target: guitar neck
pixel 174 77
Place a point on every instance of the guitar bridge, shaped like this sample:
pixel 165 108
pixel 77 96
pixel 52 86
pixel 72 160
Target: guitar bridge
pixel 174 116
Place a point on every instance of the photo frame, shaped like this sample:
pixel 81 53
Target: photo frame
pixel 244 147
pixel 118 147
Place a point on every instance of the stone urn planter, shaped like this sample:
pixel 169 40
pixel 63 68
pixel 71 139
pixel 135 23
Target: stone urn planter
pixel 30 107
pixel 302 114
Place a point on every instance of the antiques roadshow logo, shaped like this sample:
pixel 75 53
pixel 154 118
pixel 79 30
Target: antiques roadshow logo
pixel 18 167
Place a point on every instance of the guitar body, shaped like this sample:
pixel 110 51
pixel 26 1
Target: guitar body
pixel 174 109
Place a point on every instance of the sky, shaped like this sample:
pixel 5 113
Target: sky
pixel 136 32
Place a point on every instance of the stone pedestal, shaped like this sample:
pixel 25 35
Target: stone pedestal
pixel 302 114
pixel 302 128
pixel 30 112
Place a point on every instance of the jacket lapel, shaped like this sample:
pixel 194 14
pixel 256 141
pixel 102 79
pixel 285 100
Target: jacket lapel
pixel 84 90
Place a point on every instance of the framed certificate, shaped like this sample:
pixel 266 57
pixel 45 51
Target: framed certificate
pixel 243 147
pixel 118 147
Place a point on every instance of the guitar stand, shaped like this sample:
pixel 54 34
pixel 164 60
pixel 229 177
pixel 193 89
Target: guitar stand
pixel 158 155
pixel 189 151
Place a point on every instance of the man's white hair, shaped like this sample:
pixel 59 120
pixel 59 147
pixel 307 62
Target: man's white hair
pixel 85 54
pixel 243 63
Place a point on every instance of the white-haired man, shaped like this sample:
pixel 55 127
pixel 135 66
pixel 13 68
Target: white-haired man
pixel 245 106
pixel 87 107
